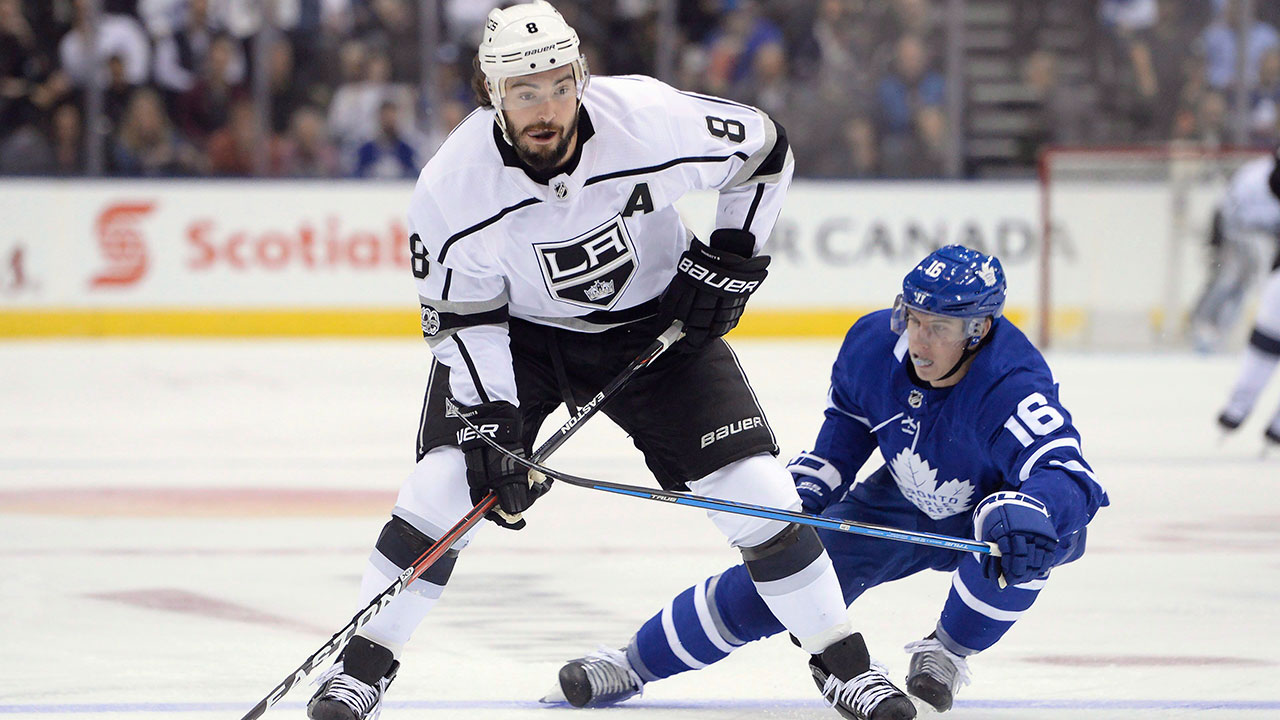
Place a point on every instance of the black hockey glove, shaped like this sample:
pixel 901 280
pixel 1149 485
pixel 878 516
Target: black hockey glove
pixel 489 470
pixel 710 289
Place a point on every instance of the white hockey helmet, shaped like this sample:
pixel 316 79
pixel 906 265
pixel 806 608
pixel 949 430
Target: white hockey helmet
pixel 527 39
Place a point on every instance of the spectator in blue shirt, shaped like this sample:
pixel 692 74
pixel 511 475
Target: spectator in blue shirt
pixel 1218 43
pixel 387 155
pixel 911 119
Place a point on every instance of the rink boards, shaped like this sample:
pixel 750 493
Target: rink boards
pixel 243 258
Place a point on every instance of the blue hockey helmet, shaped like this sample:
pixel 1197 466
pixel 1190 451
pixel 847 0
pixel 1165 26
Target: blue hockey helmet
pixel 953 281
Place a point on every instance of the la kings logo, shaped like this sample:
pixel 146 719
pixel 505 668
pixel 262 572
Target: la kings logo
pixel 591 270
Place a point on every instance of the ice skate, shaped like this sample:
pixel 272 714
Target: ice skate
pixel 1228 422
pixel 1270 441
pixel 352 688
pixel 935 673
pixel 857 687
pixel 601 679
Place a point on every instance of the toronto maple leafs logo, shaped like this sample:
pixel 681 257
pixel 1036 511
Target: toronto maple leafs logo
pixel 917 481
pixel 987 273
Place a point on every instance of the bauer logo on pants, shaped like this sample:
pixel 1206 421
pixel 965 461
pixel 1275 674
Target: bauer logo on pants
pixel 591 270
pixel 732 428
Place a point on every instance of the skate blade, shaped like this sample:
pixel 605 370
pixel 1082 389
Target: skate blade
pixel 923 708
pixel 554 696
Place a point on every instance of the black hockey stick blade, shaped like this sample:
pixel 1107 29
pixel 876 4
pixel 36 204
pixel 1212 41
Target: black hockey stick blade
pixel 343 636
pixel 437 550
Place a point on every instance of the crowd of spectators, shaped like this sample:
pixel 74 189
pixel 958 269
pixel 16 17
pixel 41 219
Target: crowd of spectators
pixel 1170 69
pixel 860 85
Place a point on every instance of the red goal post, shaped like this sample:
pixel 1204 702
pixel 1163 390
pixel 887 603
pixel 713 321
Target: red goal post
pixel 1124 233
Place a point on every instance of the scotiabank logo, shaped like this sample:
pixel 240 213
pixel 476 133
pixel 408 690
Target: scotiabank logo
pixel 308 246
pixel 122 244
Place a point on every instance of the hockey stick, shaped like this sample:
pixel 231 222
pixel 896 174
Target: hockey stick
pixel 740 508
pixel 343 636
pixel 438 549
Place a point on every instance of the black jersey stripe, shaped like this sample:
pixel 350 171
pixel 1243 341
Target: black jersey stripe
pixel 1264 342
pixel 444 249
pixel 448 280
pixel 668 164
pixel 755 203
pixel 776 161
pixel 718 101
pixel 426 404
pixel 457 321
pixel 471 368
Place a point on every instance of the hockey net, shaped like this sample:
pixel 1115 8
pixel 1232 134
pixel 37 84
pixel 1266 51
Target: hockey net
pixel 1126 252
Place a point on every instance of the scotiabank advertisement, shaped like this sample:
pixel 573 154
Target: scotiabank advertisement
pixel 225 244
pixel 204 244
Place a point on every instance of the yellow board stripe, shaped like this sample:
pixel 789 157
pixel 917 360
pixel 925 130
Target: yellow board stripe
pixel 331 322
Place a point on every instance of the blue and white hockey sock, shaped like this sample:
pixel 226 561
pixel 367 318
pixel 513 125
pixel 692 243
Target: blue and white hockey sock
pixel 689 633
pixel 978 613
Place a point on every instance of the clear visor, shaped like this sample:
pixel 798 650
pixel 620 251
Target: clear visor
pixel 520 95
pixel 931 328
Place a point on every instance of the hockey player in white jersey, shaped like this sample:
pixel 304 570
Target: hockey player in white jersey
pixel 1254 204
pixel 1247 212
pixel 548 254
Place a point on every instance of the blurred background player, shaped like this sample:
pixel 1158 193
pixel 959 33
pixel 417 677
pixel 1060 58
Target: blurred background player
pixel 965 413
pixel 548 254
pixel 1254 204
pixel 1250 208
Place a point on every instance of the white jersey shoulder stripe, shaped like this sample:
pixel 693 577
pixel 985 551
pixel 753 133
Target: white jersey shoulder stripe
pixel 1025 472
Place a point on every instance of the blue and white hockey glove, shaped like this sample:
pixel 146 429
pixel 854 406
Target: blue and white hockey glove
pixel 1019 525
pixel 817 482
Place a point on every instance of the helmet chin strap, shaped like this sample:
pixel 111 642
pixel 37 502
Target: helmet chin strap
pixel 964 357
pixel 965 354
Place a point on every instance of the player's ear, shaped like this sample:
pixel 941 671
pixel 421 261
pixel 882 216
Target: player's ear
pixel 986 327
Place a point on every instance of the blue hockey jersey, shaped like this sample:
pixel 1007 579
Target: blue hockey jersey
pixel 1000 428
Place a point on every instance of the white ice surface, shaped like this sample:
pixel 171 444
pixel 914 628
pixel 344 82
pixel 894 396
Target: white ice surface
pixel 183 523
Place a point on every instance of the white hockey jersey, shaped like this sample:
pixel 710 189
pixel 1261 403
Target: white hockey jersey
pixel 1250 206
pixel 591 248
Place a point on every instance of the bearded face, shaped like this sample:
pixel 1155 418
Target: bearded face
pixel 541 115
pixel 543 145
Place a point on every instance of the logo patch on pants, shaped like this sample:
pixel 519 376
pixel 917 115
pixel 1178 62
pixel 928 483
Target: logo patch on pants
pixel 732 428
pixel 591 270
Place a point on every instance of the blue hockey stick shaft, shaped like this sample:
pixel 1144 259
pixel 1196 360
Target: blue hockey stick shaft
pixel 741 508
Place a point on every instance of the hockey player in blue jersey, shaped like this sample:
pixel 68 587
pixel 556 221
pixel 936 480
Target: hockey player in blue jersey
pixel 966 416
